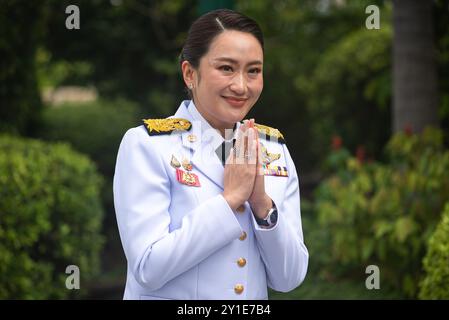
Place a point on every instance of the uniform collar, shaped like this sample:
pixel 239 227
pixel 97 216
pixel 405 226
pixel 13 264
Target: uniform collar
pixel 209 134
pixel 202 140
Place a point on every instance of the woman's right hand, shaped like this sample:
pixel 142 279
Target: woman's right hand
pixel 240 170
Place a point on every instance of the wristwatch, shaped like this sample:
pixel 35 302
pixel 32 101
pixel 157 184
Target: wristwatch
pixel 270 220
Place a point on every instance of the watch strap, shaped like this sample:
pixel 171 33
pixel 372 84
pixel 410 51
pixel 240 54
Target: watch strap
pixel 271 218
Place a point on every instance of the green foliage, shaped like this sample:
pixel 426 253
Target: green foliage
pixel 20 103
pixel 435 284
pixel 319 282
pixel 324 74
pixel 352 83
pixel 383 214
pixel 133 47
pixel 52 74
pixel 95 129
pixel 50 217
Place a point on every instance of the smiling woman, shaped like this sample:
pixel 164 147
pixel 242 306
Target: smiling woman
pixel 207 204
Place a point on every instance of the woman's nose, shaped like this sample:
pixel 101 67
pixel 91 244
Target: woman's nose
pixel 238 84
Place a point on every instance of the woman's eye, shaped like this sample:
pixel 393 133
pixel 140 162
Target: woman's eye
pixel 226 68
pixel 254 71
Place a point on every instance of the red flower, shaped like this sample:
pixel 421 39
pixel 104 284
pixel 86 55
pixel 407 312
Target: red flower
pixel 336 142
pixel 408 130
pixel 360 154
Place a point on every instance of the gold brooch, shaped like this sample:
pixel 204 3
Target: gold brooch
pixel 174 162
pixel 186 165
pixel 268 157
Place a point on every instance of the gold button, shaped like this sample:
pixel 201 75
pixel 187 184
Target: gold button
pixel 242 236
pixel 241 262
pixel 191 137
pixel 241 208
pixel 238 288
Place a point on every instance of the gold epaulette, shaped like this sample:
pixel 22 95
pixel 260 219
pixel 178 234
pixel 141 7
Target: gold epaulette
pixel 269 133
pixel 166 126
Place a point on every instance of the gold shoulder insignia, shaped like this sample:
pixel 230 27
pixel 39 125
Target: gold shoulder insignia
pixel 166 126
pixel 269 133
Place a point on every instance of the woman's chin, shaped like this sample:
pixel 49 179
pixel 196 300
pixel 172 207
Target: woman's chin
pixel 233 116
pixel 234 119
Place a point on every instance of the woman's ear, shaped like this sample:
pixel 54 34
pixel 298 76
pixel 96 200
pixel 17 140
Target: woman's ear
pixel 188 73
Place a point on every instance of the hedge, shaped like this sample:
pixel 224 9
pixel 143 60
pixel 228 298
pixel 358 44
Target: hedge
pixel 96 129
pixel 435 285
pixel 50 217
pixel 384 213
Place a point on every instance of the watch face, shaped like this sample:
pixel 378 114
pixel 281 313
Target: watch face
pixel 270 220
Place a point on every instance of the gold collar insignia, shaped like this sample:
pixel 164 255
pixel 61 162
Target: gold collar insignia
pixel 165 126
pixel 270 133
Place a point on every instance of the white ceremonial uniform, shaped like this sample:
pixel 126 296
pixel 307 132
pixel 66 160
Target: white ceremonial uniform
pixel 185 242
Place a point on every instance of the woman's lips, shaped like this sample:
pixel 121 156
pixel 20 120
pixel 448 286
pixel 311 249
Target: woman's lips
pixel 235 102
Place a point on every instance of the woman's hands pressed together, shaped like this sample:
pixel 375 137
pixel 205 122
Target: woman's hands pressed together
pixel 243 176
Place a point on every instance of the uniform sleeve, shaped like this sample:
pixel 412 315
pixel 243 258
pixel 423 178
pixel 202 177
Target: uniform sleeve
pixel 282 247
pixel 142 199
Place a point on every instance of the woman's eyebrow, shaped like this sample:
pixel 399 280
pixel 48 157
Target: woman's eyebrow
pixel 233 61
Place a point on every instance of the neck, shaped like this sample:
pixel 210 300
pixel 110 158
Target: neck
pixel 220 126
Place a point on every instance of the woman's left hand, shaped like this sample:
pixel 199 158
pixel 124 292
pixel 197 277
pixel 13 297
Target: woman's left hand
pixel 259 201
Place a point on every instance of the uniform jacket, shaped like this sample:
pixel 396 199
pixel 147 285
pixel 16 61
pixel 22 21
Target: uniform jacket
pixel 185 242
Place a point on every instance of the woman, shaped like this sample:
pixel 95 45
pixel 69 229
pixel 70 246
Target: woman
pixel 195 227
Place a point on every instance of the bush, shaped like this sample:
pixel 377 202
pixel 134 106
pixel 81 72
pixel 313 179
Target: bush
pixel 436 262
pixel 384 214
pixel 95 129
pixel 50 217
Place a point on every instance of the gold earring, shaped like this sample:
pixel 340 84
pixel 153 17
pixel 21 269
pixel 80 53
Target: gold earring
pixel 190 86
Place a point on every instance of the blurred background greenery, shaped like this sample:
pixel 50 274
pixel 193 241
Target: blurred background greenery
pixel 365 113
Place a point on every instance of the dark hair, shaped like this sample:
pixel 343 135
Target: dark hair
pixel 211 24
